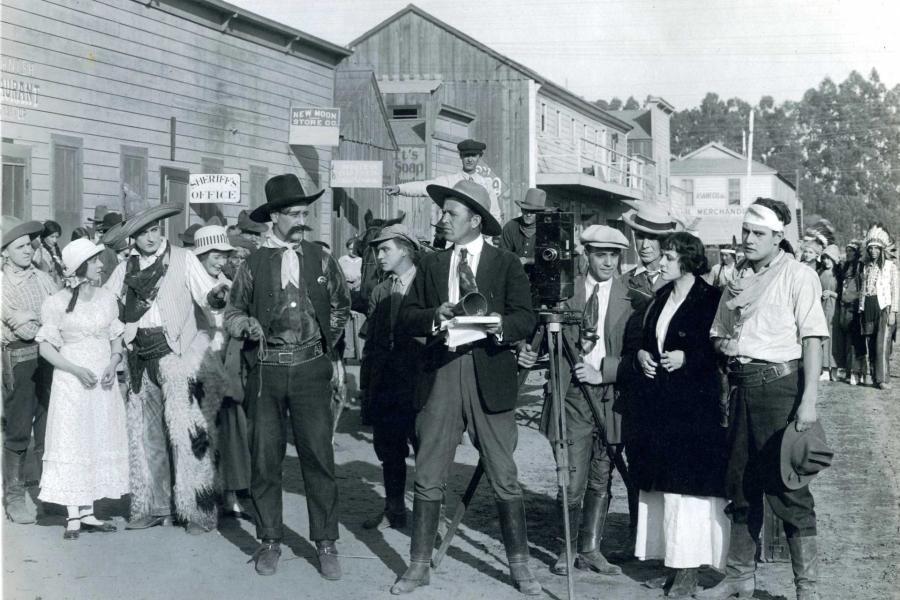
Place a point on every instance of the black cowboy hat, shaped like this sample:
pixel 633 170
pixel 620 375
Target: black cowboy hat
pixel 282 191
pixel 474 196
pixel 110 219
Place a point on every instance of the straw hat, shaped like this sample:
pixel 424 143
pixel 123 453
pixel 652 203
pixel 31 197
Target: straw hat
pixel 211 237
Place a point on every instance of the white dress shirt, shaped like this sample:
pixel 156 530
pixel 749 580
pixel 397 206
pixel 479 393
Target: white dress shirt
pixel 596 356
pixel 474 249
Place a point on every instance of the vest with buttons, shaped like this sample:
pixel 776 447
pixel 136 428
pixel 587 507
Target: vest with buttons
pixel 265 265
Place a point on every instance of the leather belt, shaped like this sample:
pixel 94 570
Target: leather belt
pixel 288 356
pixel 19 354
pixel 755 374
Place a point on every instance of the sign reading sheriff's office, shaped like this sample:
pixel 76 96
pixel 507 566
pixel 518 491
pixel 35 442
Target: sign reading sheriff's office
pixel 315 126
pixel 223 188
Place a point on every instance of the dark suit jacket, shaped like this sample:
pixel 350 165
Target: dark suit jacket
pixel 623 302
pixel 389 366
pixel 678 445
pixel 503 283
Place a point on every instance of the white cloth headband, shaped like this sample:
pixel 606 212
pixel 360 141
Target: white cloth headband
pixel 763 216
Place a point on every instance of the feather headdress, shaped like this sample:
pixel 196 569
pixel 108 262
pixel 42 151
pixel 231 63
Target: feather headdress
pixel 877 236
pixel 820 232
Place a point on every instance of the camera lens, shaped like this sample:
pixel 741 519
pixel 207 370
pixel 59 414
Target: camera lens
pixel 550 254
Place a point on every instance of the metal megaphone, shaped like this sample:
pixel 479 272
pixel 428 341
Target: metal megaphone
pixel 472 304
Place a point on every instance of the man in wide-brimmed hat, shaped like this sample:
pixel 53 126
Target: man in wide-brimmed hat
pixel 471 387
pixel 470 153
pixel 26 376
pixel 170 420
pixel 649 224
pixel 289 302
pixel 388 370
pixel 519 233
pixel 250 230
pixel 109 256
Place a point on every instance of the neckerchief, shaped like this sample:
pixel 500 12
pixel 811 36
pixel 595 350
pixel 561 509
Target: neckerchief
pixel 747 290
pixel 142 286
pixel 290 262
pixel 528 230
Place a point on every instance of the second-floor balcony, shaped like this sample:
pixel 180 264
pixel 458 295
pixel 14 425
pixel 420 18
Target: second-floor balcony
pixel 592 166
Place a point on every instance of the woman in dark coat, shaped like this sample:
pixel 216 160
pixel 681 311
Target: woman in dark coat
pixel 678 456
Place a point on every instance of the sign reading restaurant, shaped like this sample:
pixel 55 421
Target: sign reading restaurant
pixel 315 126
pixel 214 187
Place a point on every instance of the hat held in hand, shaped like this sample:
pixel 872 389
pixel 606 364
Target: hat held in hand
pixel 803 455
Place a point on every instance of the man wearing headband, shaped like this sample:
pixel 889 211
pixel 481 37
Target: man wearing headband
pixel 770 326
pixel 26 377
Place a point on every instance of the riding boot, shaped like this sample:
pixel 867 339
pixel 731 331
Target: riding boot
pixel 561 567
pixel 740 568
pixel 425 521
pixel 17 510
pixel 593 520
pixel 805 562
pixel 515 539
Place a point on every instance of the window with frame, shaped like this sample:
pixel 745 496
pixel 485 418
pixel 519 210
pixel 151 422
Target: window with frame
pixel 734 192
pixel 67 180
pixel 133 169
pixel 688 186
pixel 258 177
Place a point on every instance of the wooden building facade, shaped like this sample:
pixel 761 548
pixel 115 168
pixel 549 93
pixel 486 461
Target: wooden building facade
pixel 441 86
pixel 104 93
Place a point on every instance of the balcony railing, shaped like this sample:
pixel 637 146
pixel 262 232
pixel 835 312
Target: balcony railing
pixel 590 158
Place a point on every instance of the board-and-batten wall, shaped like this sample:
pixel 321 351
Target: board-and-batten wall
pixel 111 74
pixel 472 80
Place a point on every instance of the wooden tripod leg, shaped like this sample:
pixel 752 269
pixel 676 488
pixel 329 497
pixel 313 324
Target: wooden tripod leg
pixel 458 515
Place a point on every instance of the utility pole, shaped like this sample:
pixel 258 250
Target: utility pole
pixel 749 156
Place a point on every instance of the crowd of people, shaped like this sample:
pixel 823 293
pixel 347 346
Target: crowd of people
pixel 174 374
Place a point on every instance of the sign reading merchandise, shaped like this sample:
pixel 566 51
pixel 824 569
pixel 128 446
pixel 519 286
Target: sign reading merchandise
pixel 222 188
pixel 357 173
pixel 315 126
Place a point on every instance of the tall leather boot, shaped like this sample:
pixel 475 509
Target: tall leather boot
pixel 425 521
pixel 740 568
pixel 593 520
pixel 561 567
pixel 515 539
pixel 805 562
pixel 17 510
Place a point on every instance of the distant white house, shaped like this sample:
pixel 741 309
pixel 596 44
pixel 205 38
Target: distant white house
pixel 710 191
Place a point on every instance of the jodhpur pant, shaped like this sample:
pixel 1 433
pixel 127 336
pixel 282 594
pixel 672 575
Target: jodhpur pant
pixel 454 406
pixel 301 395
pixel 589 464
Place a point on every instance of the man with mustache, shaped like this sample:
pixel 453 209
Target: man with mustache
pixel 289 302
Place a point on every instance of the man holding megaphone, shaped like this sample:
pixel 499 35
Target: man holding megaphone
pixel 472 387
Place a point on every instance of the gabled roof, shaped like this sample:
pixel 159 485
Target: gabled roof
pixel 548 86
pixel 351 85
pixel 715 146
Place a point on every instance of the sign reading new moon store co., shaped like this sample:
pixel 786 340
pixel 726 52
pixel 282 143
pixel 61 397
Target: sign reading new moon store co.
pixel 315 126
pixel 214 188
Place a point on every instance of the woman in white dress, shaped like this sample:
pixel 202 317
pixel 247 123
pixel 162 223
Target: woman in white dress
pixel 678 454
pixel 86 455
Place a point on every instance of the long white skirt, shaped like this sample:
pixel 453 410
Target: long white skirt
pixel 684 531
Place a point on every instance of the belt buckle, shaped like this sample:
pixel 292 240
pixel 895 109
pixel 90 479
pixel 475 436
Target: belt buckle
pixel 285 358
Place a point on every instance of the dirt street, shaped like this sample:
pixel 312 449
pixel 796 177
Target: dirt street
pixel 857 504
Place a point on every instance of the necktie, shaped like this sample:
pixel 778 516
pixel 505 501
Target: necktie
pixel 467 283
pixel 589 320
pixel 396 301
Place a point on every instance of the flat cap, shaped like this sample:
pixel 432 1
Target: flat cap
pixel 395 231
pixel 470 146
pixel 602 236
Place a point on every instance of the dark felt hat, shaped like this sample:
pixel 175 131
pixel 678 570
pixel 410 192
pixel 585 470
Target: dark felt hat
pixel 470 146
pixel 535 200
pixel 471 194
pixel 803 455
pixel 100 212
pixel 187 238
pixel 245 224
pixel 109 220
pixel 282 191
pixel 14 228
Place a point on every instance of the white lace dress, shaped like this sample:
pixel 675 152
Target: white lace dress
pixel 86 455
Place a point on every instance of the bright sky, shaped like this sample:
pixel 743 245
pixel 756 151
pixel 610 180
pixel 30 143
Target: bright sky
pixel 677 49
